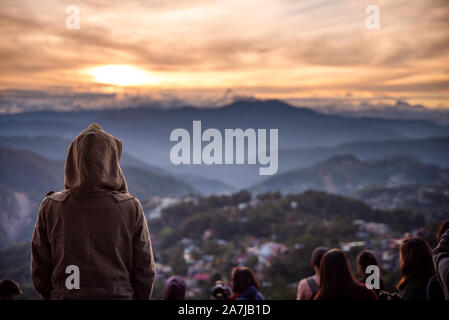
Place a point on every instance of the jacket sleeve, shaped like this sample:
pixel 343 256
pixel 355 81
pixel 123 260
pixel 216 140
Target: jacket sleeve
pixel 441 260
pixel 41 259
pixel 143 272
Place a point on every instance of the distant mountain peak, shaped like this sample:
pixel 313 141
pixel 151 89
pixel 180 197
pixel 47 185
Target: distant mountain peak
pixel 345 157
pixel 345 174
pixel 274 105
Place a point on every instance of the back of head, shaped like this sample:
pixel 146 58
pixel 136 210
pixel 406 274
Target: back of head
pixel 175 288
pixel 364 259
pixel 92 163
pixel 317 255
pixel 242 279
pixel 9 289
pixel 220 291
pixel 415 261
pixel 336 280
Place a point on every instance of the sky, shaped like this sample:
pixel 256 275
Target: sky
pixel 287 49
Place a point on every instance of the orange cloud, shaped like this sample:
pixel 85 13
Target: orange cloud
pixel 278 48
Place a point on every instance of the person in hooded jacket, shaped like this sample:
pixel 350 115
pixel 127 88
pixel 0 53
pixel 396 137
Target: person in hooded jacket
pixel 245 284
pixel 94 227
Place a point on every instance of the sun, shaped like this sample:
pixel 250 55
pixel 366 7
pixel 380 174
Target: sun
pixel 122 75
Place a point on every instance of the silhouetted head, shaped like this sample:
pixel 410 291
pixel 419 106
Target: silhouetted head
pixel 242 279
pixel 364 259
pixel 9 289
pixel 92 163
pixel 317 255
pixel 415 261
pixel 175 288
pixel 444 226
pixel 220 291
pixel 336 279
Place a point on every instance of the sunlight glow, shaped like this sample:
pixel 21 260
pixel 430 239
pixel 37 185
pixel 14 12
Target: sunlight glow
pixel 122 75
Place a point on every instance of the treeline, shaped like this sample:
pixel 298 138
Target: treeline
pixel 272 214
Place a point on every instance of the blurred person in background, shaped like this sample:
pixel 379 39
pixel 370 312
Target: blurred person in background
pixel 337 281
pixel 441 257
pixel 364 259
pixel 175 288
pixel 9 289
pixel 245 284
pixel 220 291
pixel 308 287
pixel 416 268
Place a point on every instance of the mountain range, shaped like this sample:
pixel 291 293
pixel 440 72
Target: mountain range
pixel 305 136
pixel 346 174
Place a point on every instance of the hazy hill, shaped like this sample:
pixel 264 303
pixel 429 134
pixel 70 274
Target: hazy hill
pixel 56 149
pixel 144 183
pixel 345 174
pixel 433 150
pixel 204 185
pixel 433 199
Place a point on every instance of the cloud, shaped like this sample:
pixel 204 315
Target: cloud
pixel 17 101
pixel 285 47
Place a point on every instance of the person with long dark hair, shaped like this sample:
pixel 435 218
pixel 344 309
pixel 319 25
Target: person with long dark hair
pixel 365 259
pixel 245 284
pixel 416 267
pixel 337 281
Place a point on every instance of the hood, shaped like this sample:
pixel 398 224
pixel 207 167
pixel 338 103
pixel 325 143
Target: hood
pixel 92 163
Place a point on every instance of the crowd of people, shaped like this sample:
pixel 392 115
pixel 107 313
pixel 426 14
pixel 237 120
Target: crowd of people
pixel 424 276
pixel 96 227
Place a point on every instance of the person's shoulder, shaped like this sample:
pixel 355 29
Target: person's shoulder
pixel 366 293
pixel 123 196
pixel 58 196
pixel 302 282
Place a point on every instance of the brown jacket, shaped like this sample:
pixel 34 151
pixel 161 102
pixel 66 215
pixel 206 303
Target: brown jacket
pixel 94 224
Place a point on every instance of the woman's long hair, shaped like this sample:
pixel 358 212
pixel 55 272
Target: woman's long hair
pixel 242 279
pixel 336 279
pixel 415 261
